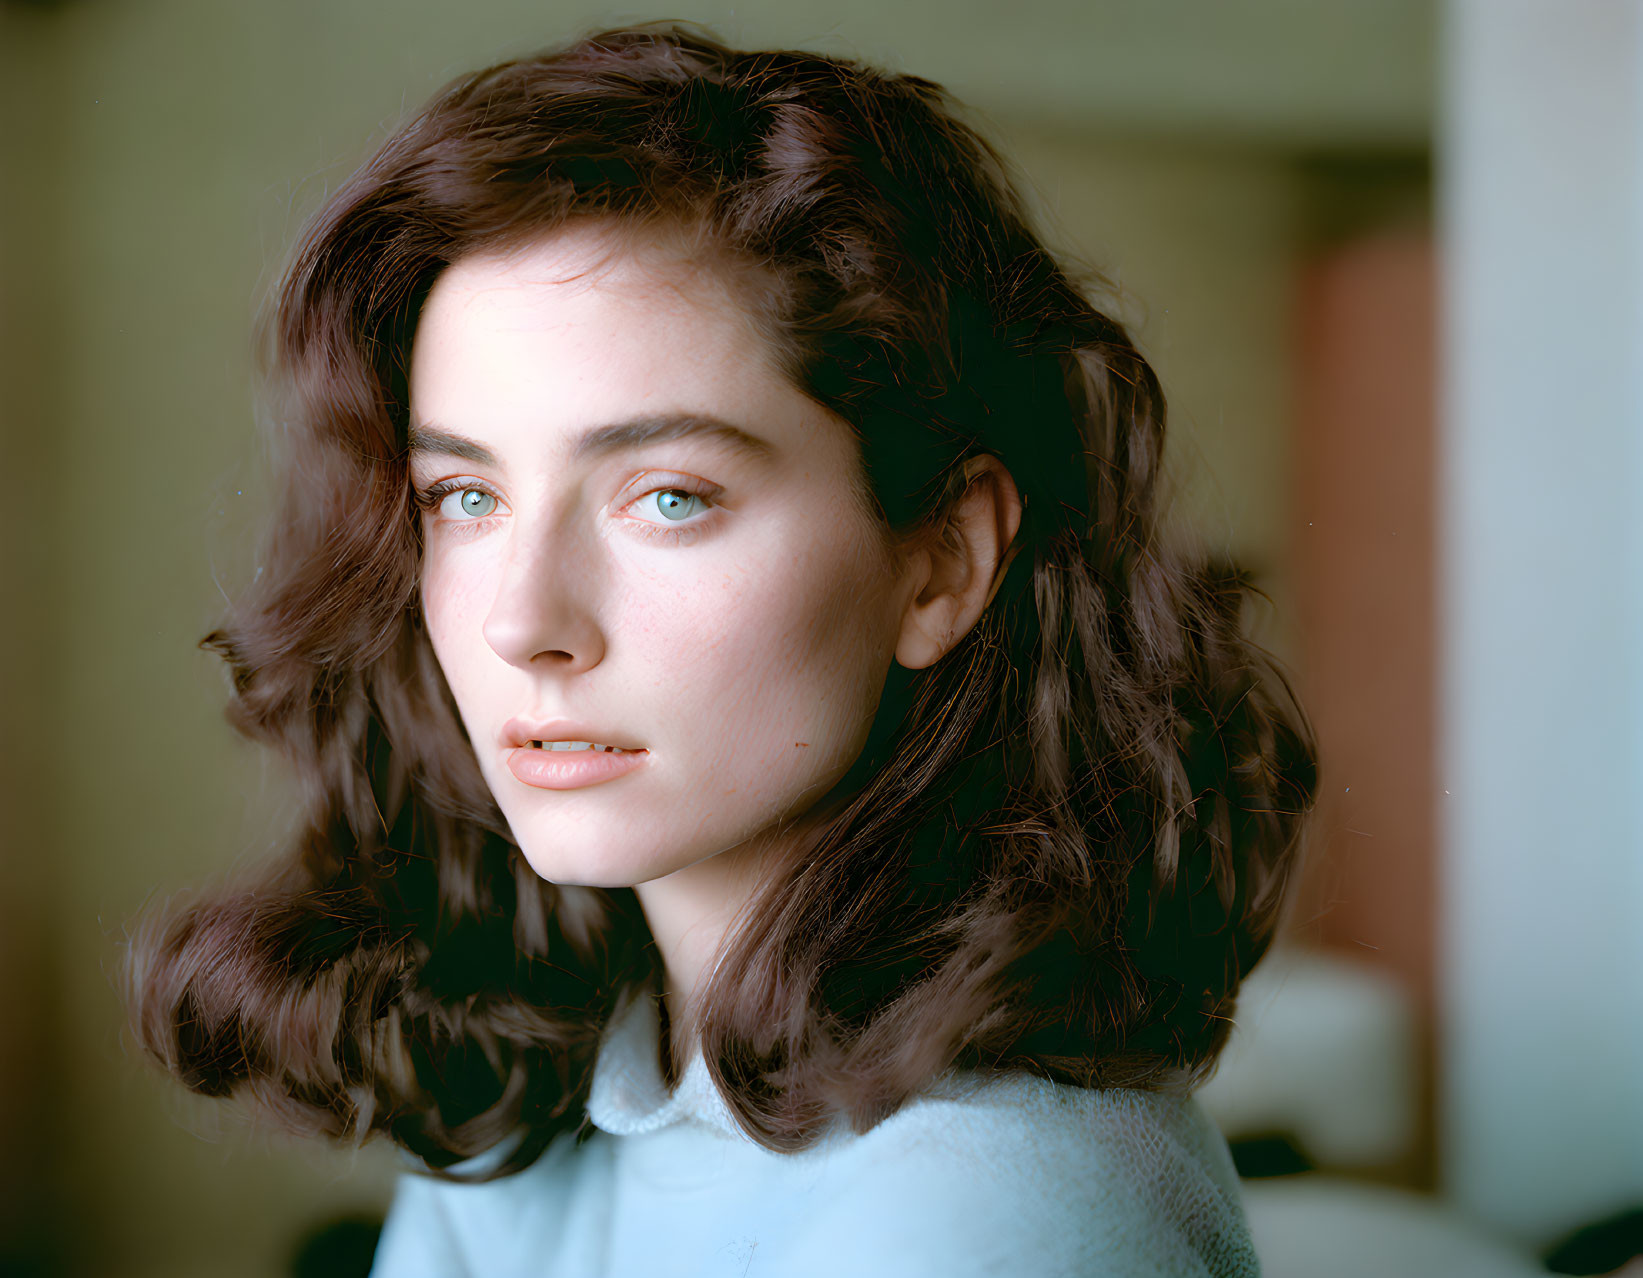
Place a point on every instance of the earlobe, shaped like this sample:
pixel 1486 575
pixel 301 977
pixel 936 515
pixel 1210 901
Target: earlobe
pixel 957 569
pixel 914 648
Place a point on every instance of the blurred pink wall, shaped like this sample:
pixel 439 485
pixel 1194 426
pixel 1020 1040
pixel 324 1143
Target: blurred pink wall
pixel 1363 562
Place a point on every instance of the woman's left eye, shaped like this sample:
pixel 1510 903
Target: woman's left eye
pixel 467 503
pixel 675 505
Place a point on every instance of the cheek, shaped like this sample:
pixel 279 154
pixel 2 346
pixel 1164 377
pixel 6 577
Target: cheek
pixel 785 660
pixel 454 604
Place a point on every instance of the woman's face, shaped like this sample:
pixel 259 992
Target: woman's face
pixel 639 534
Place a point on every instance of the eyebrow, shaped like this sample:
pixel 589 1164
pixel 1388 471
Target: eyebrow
pixel 602 440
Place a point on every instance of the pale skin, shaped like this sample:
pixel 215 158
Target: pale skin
pixel 730 609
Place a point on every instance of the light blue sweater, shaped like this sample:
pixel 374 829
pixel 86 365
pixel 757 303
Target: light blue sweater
pixel 1003 1176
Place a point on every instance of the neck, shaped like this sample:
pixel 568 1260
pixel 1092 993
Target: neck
pixel 691 914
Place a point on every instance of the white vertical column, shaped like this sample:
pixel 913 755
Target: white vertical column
pixel 1541 581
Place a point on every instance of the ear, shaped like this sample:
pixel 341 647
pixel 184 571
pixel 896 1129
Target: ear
pixel 955 568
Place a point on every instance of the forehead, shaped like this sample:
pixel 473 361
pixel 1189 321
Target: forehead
pixel 580 320
pixel 583 282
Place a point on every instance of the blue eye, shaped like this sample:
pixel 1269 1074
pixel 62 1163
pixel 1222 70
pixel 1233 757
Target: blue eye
pixel 685 513
pixel 676 503
pixel 466 503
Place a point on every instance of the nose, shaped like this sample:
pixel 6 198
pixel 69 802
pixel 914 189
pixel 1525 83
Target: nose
pixel 542 614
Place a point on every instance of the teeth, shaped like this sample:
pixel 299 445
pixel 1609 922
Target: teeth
pixel 578 745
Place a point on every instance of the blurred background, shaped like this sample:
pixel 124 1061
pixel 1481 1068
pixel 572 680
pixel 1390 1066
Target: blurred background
pixel 1387 256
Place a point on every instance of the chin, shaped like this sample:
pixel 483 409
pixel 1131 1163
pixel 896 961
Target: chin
pixel 567 869
pixel 564 863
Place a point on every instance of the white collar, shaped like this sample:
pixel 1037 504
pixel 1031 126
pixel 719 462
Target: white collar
pixel 629 1097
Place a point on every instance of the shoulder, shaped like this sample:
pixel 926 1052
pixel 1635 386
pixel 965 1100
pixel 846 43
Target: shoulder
pixel 1016 1174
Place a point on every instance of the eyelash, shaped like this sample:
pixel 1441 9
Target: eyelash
pixel 429 499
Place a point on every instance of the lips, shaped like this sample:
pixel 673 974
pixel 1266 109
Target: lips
pixel 572 769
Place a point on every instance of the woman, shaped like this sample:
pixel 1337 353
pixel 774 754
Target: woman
pixel 775 801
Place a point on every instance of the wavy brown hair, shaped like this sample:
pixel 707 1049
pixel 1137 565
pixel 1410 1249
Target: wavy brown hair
pixel 1065 844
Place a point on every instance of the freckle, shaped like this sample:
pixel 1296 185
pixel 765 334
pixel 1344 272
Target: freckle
pixel 800 745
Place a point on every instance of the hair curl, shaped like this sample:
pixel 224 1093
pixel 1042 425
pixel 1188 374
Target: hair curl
pixel 1065 843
